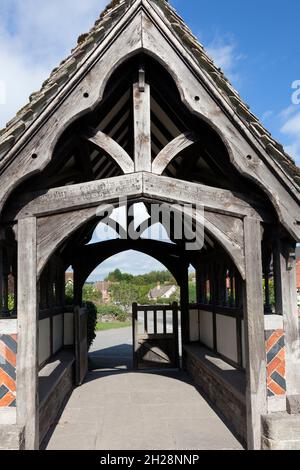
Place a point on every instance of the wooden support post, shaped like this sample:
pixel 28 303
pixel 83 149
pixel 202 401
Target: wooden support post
pixel 1 278
pixel 135 334
pixel 142 127
pixel 286 305
pixel 77 286
pixel 256 391
pixel 184 307
pixel 27 357
pixel 199 285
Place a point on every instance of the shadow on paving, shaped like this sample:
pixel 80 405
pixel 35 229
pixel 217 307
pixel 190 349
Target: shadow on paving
pixel 114 357
pixel 116 361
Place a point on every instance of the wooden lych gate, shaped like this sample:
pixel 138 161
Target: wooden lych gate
pixel 155 336
pixel 139 111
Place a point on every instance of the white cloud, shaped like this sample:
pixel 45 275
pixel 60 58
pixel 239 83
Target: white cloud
pixel 225 55
pixel 267 114
pixel 35 36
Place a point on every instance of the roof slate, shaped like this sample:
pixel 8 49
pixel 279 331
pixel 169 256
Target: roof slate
pixel 87 43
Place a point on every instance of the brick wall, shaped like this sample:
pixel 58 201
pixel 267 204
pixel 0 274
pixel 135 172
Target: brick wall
pixel 275 349
pixel 8 358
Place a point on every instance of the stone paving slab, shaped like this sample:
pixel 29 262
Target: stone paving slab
pixel 127 410
pixel 146 413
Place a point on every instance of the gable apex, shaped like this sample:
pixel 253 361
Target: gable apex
pixel 88 43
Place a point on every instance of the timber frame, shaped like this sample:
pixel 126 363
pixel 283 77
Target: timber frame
pixel 140 118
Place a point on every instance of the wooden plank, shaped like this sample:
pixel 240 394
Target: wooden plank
pixel 142 128
pixel 173 148
pixel 112 148
pixel 155 321
pixel 78 196
pixel 27 358
pixel 164 321
pixel 256 394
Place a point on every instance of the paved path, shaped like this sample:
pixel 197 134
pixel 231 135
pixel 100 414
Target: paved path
pixel 117 408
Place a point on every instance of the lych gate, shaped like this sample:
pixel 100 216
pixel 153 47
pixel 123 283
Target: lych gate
pixel 140 111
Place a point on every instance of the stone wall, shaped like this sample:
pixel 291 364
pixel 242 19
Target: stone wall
pixel 281 431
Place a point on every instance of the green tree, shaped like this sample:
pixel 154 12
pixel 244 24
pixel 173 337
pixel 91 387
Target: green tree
pixel 192 293
pixel 124 293
pixel 89 294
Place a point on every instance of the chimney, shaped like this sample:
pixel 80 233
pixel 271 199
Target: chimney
pixel 158 285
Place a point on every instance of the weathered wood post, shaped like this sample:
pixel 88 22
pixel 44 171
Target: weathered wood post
pixel 256 393
pixel 27 358
pixel 184 309
pixel 286 305
pixel 135 333
pixel 142 124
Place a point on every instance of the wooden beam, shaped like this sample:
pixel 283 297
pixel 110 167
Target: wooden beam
pixel 27 357
pixel 142 127
pixel 216 199
pixel 162 188
pixel 170 151
pixel 112 148
pixel 256 390
pixel 79 196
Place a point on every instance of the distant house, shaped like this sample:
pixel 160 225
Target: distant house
pixel 103 288
pixel 69 278
pixel 161 292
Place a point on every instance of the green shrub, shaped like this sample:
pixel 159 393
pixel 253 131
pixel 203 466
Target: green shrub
pixel 114 310
pixel 91 322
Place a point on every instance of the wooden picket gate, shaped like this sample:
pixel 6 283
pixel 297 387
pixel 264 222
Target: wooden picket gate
pixel 155 336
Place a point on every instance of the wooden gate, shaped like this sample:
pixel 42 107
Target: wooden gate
pixel 81 349
pixel 155 336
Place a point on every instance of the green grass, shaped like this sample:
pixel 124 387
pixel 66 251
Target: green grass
pixel 112 325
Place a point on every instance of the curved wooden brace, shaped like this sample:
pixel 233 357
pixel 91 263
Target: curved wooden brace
pixel 170 151
pixel 112 148
pixel 53 230
pixel 91 256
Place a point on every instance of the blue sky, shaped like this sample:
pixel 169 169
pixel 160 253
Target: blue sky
pixel 256 43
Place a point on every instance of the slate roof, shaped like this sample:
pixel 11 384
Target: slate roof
pixel 87 44
pixel 159 292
